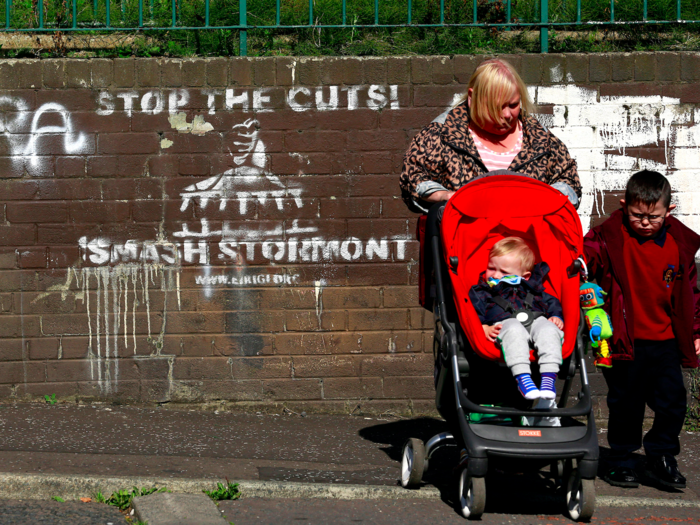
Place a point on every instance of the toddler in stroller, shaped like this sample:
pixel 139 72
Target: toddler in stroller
pixel 472 378
pixel 515 310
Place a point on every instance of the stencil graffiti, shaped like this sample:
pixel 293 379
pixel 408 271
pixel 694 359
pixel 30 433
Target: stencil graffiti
pixel 230 243
pixel 248 280
pixel 322 98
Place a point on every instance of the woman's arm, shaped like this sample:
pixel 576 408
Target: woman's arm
pixel 419 177
pixel 563 171
pixel 439 196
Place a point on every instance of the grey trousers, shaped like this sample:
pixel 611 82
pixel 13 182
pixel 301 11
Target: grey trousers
pixel 515 342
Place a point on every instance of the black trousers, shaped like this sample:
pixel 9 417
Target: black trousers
pixel 655 379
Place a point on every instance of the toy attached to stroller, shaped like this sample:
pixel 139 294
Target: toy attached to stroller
pixel 475 392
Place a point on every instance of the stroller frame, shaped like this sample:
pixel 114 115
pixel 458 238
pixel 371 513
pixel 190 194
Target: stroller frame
pixel 573 450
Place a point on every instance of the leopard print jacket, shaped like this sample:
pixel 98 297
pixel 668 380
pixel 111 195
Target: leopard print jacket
pixel 445 153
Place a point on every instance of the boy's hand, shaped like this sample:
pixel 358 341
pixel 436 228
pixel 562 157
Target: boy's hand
pixel 558 322
pixel 491 332
pixel 697 346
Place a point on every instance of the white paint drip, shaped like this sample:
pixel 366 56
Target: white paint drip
pixel 318 292
pixel 119 291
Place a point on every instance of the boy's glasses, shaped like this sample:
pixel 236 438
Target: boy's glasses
pixel 639 217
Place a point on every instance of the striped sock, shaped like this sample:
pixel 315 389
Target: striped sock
pixel 527 387
pixel 547 389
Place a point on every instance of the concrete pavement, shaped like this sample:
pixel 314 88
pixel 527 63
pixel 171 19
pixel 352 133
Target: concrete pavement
pixel 75 450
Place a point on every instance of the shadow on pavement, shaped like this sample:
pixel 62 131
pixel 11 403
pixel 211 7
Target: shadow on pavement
pixel 395 433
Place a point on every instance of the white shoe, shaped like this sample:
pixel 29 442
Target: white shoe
pixel 544 421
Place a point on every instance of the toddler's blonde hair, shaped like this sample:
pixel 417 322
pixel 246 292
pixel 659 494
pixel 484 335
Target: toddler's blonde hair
pixel 519 248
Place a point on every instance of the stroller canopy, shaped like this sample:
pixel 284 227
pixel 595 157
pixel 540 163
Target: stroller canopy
pixel 485 211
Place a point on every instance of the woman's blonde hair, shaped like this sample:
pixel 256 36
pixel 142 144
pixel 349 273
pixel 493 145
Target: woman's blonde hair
pixel 493 84
pixel 519 248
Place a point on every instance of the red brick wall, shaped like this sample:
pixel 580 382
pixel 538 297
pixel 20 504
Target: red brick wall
pixel 231 229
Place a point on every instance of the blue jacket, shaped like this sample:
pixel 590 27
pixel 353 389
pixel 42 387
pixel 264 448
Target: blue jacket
pixel 481 296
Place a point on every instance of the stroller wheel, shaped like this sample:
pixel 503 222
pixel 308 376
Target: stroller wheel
pixel 412 463
pixel 472 495
pixel 580 497
pixel 557 470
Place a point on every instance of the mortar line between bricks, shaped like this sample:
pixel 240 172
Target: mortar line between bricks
pixel 45 486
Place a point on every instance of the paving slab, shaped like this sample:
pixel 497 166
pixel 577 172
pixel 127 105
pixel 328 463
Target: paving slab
pixel 47 512
pixel 177 509
pixel 158 442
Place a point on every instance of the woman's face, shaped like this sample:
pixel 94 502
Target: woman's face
pixel 510 111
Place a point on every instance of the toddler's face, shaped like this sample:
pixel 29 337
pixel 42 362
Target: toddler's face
pixel 508 264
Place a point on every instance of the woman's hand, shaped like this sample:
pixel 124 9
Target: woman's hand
pixel 491 332
pixel 439 196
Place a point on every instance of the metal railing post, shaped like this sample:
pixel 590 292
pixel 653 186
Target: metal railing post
pixel 544 30
pixel 243 35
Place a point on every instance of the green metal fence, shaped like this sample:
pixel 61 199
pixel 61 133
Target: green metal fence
pixel 247 15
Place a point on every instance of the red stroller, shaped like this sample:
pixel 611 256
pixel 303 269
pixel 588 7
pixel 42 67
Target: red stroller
pixel 471 378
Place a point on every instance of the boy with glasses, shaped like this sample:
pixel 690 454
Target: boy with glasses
pixel 644 259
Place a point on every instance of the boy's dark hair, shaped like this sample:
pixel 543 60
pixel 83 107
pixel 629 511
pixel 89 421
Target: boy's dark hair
pixel 648 187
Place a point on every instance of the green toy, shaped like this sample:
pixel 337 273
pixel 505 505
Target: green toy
pixel 598 321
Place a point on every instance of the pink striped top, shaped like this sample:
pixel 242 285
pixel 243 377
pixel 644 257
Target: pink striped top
pixel 494 160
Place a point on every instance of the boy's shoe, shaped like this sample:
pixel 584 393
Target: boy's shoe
pixel 527 387
pixel 548 388
pixel 622 477
pixel 664 469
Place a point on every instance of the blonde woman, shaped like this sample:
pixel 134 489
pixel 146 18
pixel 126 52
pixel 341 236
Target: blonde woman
pixel 491 128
